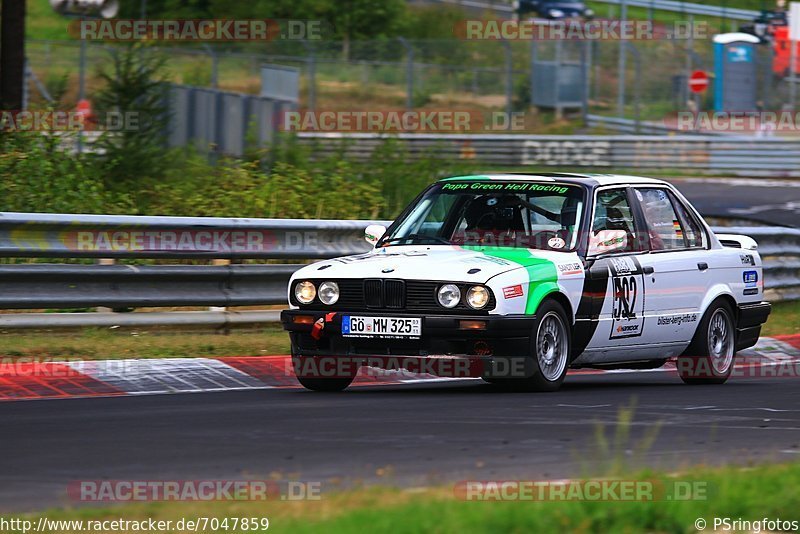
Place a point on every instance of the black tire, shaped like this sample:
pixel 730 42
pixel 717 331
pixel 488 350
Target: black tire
pixel 710 356
pixel 551 341
pixel 314 382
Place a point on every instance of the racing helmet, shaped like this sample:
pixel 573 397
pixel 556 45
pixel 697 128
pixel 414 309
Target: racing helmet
pixel 494 212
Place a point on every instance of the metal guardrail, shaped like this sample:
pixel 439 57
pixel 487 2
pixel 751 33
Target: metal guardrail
pixel 219 320
pixel 745 156
pixel 122 236
pixel 37 286
pixel 631 126
pixel 44 286
pixel 688 8
pixel 660 5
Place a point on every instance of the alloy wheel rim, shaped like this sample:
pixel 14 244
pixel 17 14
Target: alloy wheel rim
pixel 551 346
pixel 720 341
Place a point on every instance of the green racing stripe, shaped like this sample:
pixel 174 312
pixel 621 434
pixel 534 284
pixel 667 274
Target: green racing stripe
pixel 542 274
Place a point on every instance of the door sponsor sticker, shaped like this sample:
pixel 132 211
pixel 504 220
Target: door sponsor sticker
pixel 567 269
pixel 513 292
pixel 627 290
pixel 750 278
pixel 677 320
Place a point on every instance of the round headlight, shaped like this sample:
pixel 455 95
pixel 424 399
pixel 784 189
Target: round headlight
pixel 478 297
pixel 449 295
pixel 329 293
pixel 305 292
pixel 555 13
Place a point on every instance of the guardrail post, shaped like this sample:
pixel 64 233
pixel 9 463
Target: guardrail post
pixel 105 261
pixel 214 67
pixel 219 308
pixel 637 89
pixel 311 65
pixel 81 88
pixel 509 82
pixel 409 73
pixel 586 57
pixel 621 66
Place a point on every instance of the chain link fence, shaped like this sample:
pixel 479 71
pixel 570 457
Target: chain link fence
pixel 645 80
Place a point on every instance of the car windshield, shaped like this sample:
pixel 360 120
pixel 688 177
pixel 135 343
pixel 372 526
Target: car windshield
pixel 540 215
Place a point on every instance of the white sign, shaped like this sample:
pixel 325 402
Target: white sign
pixel 794 21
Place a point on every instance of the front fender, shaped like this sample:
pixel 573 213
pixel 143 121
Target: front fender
pixel 517 292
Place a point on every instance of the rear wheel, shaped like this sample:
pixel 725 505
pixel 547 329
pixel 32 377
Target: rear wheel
pixel 311 373
pixel 709 358
pixel 546 365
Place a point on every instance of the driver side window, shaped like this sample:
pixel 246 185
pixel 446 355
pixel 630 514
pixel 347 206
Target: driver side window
pixel 613 228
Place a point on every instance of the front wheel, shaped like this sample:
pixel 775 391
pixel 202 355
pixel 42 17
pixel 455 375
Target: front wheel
pixel 311 373
pixel 551 345
pixel 709 358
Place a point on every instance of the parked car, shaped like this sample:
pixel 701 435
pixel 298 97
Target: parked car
pixel 522 277
pixel 552 9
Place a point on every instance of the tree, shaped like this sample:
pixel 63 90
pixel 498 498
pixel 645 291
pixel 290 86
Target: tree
pixel 135 92
pixel 12 54
pixel 350 19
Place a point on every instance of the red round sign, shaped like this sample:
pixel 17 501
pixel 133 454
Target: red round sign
pixel 698 82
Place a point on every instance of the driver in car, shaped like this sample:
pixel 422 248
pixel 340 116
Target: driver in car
pixel 497 220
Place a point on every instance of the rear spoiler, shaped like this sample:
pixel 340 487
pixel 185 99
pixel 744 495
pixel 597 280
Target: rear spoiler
pixel 737 241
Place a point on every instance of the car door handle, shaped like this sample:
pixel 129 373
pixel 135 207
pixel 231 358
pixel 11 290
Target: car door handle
pixel 648 270
pixel 703 266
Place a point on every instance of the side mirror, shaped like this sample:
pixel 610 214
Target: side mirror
pixel 373 233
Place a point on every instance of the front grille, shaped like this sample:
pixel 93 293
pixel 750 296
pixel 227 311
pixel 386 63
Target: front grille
pixel 421 294
pixel 380 294
pixel 373 293
pixel 394 294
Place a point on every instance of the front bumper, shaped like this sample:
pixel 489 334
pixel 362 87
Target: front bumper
pixel 444 338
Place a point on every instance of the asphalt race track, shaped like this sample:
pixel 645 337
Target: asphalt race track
pixel 772 202
pixel 407 435
pixel 412 434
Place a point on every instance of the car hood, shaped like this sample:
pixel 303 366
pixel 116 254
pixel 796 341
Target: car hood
pixel 441 263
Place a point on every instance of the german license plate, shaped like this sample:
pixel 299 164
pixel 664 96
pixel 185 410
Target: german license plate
pixel 360 326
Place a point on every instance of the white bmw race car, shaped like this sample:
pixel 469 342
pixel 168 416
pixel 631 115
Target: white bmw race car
pixel 516 278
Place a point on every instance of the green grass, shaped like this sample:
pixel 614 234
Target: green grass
pixel 754 493
pixel 784 320
pixel 108 344
pixel 44 23
pixel 111 344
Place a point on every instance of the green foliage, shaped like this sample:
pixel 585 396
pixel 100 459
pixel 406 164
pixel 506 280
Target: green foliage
pixel 242 189
pixel 350 19
pixel 135 89
pixel 198 74
pixel 57 85
pixel 36 175
pixel 752 494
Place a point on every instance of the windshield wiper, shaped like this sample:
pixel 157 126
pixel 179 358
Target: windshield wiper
pixel 419 238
